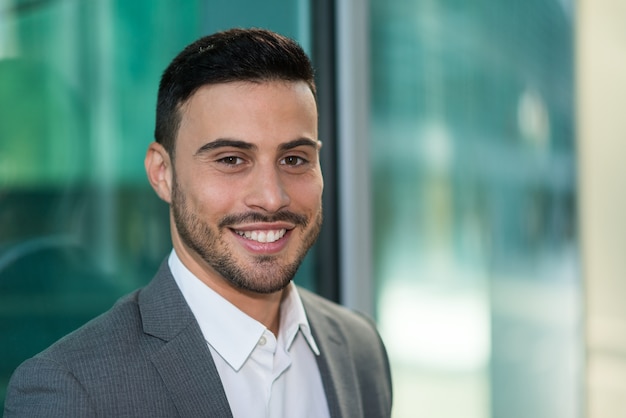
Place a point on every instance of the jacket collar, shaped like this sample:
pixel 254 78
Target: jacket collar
pixel 335 363
pixel 182 359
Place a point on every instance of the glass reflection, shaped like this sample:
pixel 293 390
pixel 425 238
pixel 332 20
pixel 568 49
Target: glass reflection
pixel 479 295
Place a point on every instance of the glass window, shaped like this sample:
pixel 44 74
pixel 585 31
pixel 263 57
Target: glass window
pixel 473 160
pixel 79 224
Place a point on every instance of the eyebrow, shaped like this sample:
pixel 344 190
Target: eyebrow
pixel 235 143
pixel 223 143
pixel 297 143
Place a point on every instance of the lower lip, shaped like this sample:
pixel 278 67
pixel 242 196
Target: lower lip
pixel 263 247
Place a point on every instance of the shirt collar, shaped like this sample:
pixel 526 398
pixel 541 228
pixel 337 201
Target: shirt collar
pixel 293 319
pixel 235 335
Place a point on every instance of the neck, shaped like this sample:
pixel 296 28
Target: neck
pixel 264 308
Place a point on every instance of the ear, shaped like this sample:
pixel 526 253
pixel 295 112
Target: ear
pixel 159 170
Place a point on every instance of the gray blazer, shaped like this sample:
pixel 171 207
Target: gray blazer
pixel 146 357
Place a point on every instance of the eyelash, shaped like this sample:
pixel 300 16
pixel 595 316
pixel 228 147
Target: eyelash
pixel 232 160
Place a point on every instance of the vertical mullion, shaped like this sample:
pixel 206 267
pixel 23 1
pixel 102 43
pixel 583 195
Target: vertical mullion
pixel 327 256
pixel 353 170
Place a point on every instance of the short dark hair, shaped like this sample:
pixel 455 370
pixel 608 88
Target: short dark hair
pixel 255 55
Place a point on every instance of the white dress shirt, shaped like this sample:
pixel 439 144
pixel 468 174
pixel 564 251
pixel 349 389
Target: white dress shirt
pixel 263 376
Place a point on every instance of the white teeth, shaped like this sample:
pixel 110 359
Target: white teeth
pixel 263 236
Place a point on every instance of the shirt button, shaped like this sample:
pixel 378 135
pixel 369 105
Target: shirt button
pixel 262 340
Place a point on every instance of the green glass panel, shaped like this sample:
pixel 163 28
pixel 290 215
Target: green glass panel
pixel 79 224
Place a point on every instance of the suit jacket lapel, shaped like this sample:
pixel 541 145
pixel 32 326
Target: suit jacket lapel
pixel 182 357
pixel 185 364
pixel 334 362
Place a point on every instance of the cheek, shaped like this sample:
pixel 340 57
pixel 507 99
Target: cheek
pixel 210 201
pixel 217 202
pixel 308 194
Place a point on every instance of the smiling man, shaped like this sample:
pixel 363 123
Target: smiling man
pixel 222 330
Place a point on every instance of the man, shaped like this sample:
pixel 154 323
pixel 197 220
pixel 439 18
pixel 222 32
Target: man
pixel 221 330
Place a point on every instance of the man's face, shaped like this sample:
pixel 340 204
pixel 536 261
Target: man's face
pixel 247 184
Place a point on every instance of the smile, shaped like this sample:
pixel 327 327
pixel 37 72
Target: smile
pixel 263 236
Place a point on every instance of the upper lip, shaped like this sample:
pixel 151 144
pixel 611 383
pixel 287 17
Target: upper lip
pixel 274 226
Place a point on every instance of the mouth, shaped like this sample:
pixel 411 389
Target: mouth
pixel 263 236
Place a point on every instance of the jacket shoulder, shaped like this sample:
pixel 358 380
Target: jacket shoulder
pixel 339 314
pixel 114 329
pixel 102 368
pixel 354 328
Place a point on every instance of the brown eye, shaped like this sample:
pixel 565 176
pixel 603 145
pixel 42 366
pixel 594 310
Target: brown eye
pixel 293 161
pixel 231 160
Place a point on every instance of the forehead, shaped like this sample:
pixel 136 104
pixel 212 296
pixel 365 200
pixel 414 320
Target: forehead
pixel 264 114
pixel 250 111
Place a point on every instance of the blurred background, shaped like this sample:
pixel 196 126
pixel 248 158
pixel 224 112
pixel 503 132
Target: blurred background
pixel 474 194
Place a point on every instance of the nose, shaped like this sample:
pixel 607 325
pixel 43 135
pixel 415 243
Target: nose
pixel 266 190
